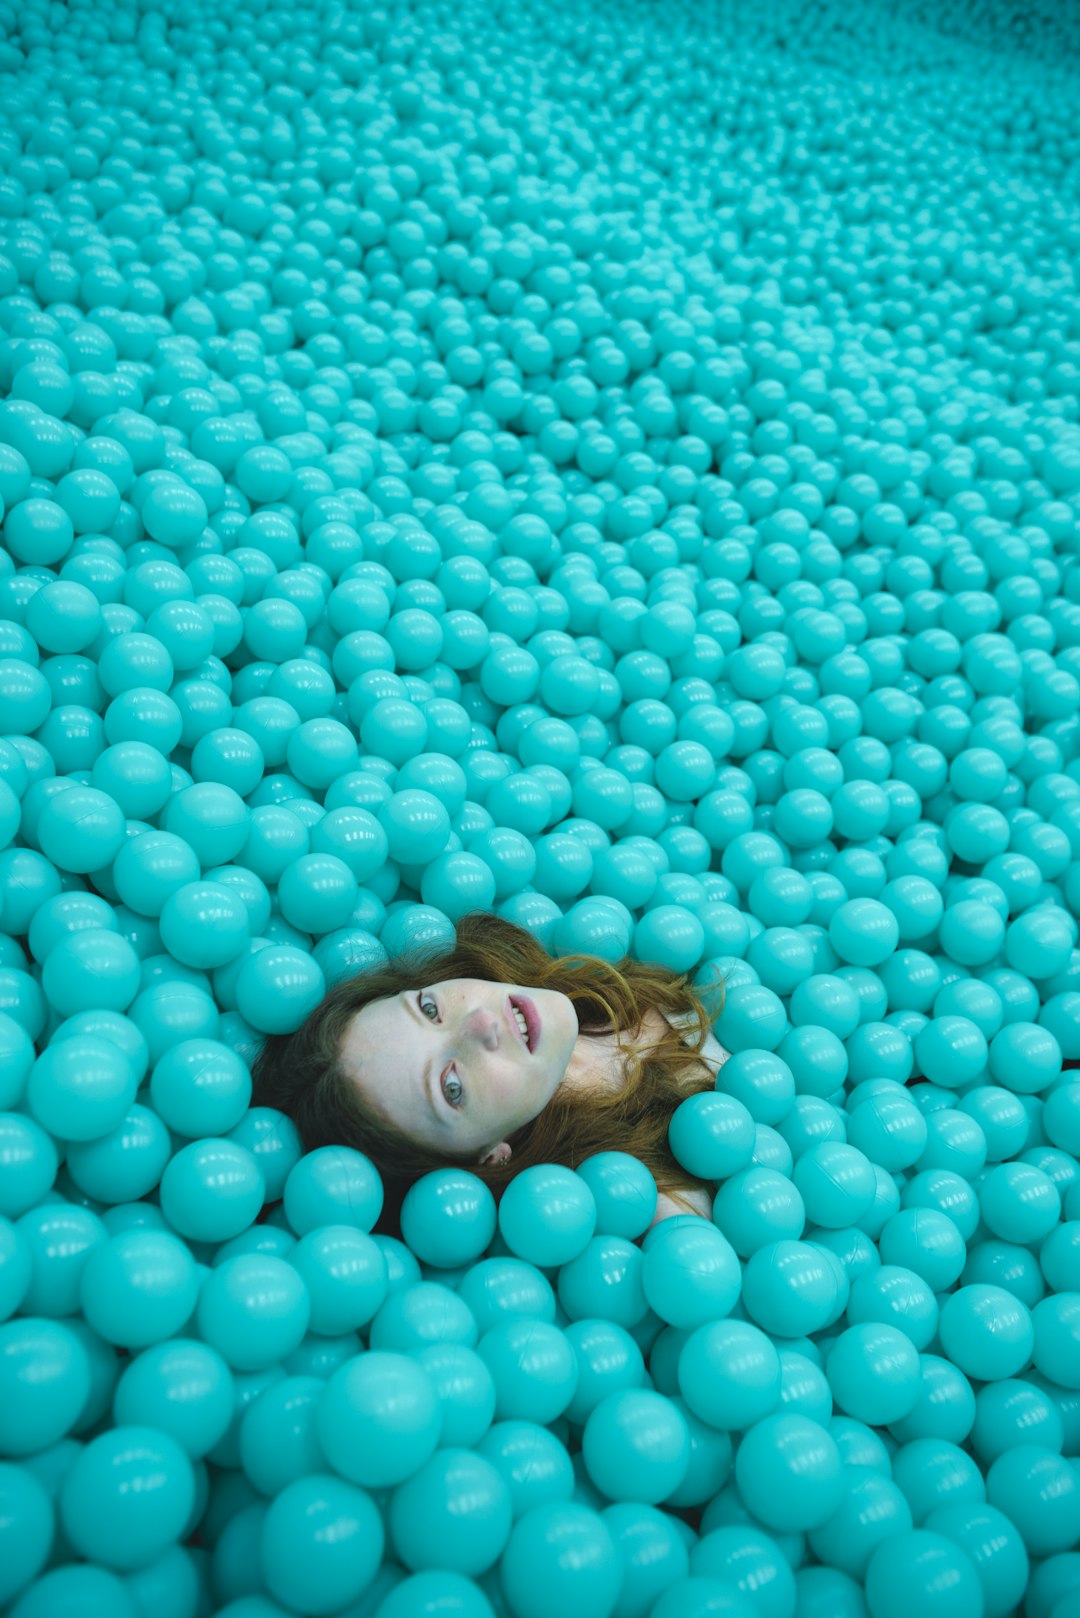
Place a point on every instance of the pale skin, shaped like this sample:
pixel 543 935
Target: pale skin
pixel 448 1064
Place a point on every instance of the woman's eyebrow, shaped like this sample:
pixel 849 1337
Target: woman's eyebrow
pixel 407 1001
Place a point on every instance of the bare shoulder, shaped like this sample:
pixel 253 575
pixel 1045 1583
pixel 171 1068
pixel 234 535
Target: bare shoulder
pixel 687 1202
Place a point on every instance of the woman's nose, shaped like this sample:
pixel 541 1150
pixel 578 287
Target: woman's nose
pixel 483 1025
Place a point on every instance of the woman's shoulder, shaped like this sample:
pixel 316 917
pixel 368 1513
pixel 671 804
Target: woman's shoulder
pixel 689 1201
pixel 712 1051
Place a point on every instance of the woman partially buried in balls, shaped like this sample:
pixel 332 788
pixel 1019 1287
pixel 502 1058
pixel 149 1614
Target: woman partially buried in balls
pixel 495 1056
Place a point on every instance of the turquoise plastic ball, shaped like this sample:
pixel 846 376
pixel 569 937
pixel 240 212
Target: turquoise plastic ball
pixel 58 1238
pixel 759 1079
pixel 745 1556
pixel 1039 943
pixel 92 969
pixel 81 829
pixel 951 1051
pixel 273 1140
pixel 344 1274
pixel 670 936
pixel 533 1367
pixel 454 1513
pixel 380 1419
pixel 609 1360
pixel 895 1297
pixel 45 1380
pixel 466 1391
pixel 874 1372
pixel 1059 1257
pixel 636 1446
pixel 1014 1412
pixel 212 820
pixel 1025 1057
pixel 729 1374
pixel 926 1242
pixel 277 987
pixel 80 1088
pixel 254 1309
pixel 932 1472
pixel 321 1543
pixel 547 1215
pixel 789 1471
pixel 204 924
pixel 16 1268
pixel 277 1439
pixel 421 1313
pixel 442 1591
pixel 652 1552
pixel 864 932
pixel 139 1288
pixel 869 1511
pixel 993 1545
pixel 691 1274
pixel 924 1570
pixel 887 1128
pixel 758 1206
pixel 1019 1203
pixel 200 1088
pixel 698 1597
pixel 1056 1321
pixel 836 1182
pixel 987 1332
pixel 212 1190
pixel 457 883
pixel 561 1555
pixel 29 1529
pixel 127 1496
pixel 604 1278
pixel 791 1288
pixel 448 1218
pixel 78 1590
pixel 1039 1492
pixel 712 1136
pixel 182 1388
pixel 752 1021
pixel 624 1191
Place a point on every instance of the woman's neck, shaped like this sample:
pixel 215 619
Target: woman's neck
pixel 597 1065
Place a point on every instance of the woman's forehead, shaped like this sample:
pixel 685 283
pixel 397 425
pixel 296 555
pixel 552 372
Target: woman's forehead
pixel 372 1024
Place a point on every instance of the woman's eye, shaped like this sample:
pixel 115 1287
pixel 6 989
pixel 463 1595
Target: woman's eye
pixel 452 1089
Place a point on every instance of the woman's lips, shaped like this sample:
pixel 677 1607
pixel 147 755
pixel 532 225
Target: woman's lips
pixel 532 1019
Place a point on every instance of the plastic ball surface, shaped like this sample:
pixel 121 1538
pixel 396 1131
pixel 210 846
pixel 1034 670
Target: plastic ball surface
pixel 925 1568
pixel 547 1215
pixel 987 1331
pixel 636 1446
pixel 420 499
pixel 45 1375
pixel 127 1496
pixel 561 1554
pixel 789 1473
pixel 379 1420
pixel 321 1543
pixel 454 1513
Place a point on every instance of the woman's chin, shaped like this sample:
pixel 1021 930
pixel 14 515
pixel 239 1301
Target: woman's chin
pixel 563 1012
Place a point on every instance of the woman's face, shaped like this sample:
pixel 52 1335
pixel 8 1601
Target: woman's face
pixel 452 1066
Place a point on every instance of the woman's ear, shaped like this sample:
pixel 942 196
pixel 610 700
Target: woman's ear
pixel 501 1153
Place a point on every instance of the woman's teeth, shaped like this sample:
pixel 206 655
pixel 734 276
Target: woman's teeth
pixel 522 1024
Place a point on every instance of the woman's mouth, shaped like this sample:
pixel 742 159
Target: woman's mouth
pixel 526 1021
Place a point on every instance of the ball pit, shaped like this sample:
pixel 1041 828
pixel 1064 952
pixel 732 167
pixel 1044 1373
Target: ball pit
pixel 619 470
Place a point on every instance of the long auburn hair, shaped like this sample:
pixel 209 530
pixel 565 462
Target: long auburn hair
pixel 301 1074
